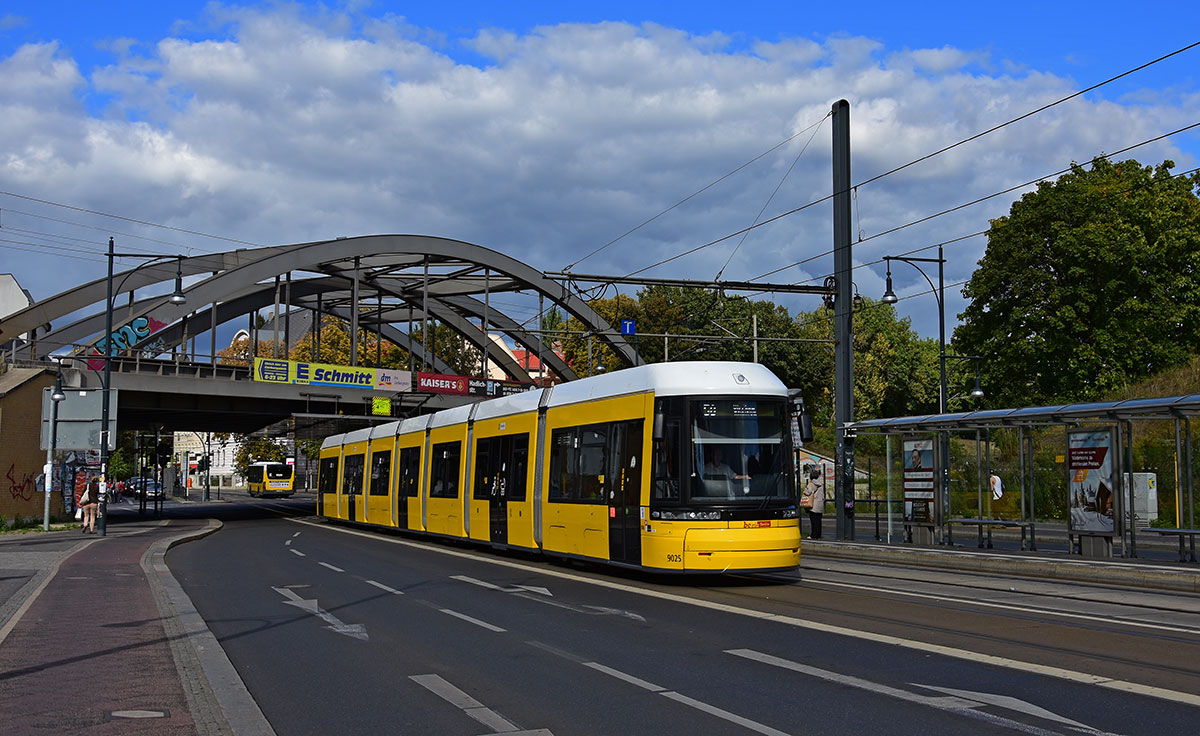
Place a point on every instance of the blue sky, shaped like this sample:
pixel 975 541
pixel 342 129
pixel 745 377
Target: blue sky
pixel 543 129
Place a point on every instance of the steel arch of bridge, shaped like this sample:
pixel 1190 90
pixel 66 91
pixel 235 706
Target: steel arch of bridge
pixel 388 277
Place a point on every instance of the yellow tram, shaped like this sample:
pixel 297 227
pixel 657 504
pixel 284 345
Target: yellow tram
pixel 683 467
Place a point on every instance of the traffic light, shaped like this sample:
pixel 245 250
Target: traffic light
pixel 163 454
pixel 202 464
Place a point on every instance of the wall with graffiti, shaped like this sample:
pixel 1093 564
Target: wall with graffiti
pixel 21 457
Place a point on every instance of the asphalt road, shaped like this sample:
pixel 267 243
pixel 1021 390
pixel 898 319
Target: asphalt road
pixel 335 628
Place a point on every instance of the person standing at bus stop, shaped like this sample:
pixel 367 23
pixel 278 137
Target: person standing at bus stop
pixel 816 489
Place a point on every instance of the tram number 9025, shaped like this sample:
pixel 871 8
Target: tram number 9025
pixel 674 558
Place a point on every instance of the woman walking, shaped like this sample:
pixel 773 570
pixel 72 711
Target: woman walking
pixel 88 501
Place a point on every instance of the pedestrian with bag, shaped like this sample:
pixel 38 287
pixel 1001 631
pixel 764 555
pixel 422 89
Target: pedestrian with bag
pixel 89 500
pixel 812 499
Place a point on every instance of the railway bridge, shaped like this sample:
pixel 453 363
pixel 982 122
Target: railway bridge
pixel 164 363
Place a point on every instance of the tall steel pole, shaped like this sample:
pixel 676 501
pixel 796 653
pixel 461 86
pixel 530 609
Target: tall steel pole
pixel 102 521
pixel 843 324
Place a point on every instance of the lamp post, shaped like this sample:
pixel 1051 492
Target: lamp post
pixel 56 397
pixel 177 298
pixel 939 293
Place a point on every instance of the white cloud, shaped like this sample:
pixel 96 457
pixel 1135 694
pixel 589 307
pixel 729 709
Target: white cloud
pixel 285 128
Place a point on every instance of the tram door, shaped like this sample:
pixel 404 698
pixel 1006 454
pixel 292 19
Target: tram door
pixel 625 493
pixel 501 466
pixel 407 483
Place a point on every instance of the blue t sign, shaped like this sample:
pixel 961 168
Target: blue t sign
pixel 628 327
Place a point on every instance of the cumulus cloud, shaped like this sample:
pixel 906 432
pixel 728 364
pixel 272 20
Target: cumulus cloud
pixel 286 127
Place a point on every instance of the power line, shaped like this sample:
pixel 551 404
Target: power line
pixel 983 199
pixel 127 219
pixel 697 192
pixel 107 231
pixel 922 158
pixel 1028 114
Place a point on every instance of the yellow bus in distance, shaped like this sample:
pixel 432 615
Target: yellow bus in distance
pixel 271 479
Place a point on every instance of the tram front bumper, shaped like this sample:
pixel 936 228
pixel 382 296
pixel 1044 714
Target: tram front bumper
pixel 716 550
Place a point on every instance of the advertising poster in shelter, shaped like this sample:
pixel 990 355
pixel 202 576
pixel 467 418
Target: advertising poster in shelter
pixel 1090 480
pixel 918 479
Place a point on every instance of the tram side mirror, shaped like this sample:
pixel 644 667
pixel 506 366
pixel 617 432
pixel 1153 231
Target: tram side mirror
pixel 658 425
pixel 805 427
pixel 800 413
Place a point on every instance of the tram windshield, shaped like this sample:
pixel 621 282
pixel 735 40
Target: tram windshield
pixel 738 451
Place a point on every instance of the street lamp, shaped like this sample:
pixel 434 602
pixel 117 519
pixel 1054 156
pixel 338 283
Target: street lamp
pixel 56 396
pixel 178 298
pixel 939 293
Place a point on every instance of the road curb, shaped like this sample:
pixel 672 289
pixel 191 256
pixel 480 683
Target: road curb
pixel 1102 572
pixel 216 694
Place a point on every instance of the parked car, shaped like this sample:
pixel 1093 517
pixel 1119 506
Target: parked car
pixel 148 487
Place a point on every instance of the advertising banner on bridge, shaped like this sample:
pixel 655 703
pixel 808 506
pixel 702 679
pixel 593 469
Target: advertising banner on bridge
pixel 918 479
pixel 1090 480
pixel 270 370
pixel 440 383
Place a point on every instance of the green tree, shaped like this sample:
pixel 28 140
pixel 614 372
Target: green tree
pixel 1089 283
pixel 334 347
pixel 896 372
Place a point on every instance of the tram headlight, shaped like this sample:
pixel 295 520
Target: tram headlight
pixel 686 515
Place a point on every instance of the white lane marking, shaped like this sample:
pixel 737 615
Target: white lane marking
pixel 295 535
pixel 473 581
pixel 381 586
pixel 963 654
pixel 492 586
pixel 335 568
pixel 288 543
pixel 297 552
pixel 626 677
pixel 1010 703
pixel 852 681
pixel 472 620
pixel 699 705
pixel 459 699
pixel 713 710
pixel 955 701
pixel 309 605
pixel 1007 606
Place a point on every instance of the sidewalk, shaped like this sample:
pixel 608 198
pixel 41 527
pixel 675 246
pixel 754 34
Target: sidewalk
pixel 96 636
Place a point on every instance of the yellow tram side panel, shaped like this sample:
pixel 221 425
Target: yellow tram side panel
pixel 379 508
pixel 582 528
pixel 715 546
pixel 445 515
pixel 415 503
pixel 520 513
pixel 328 502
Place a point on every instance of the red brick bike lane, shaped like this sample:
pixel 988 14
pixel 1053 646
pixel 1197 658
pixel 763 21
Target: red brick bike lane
pixel 90 653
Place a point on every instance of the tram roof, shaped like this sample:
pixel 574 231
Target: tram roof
pixel 1168 407
pixel 674 379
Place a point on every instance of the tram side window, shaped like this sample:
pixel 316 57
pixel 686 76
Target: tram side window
pixel 485 474
pixel 352 475
pixel 381 472
pixel 563 461
pixel 327 475
pixel 518 468
pixel 666 463
pixel 410 469
pixel 593 451
pixel 578 460
pixel 443 476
